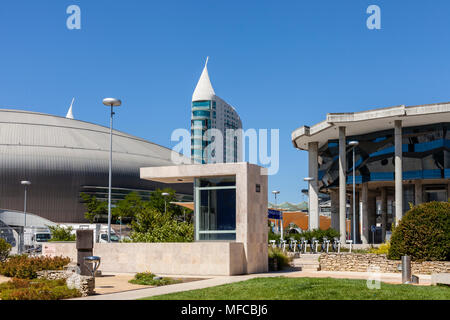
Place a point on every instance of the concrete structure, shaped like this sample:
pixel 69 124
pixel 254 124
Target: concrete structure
pixel 403 157
pixel 230 204
pixel 210 112
pixel 242 246
pixel 198 258
pixel 62 158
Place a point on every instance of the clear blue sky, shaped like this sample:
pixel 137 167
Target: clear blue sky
pixel 282 64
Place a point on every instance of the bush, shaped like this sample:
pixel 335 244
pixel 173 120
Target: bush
pixel 62 234
pixel 153 226
pixel 25 267
pixel 41 289
pixel 423 233
pixel 382 249
pixel 5 248
pixel 316 233
pixel 146 278
pixel 283 260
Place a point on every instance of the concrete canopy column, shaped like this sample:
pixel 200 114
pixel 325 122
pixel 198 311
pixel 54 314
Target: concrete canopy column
pixel 417 192
pixel 398 171
pixel 342 183
pixel 383 213
pixel 334 197
pixel 313 191
pixel 365 213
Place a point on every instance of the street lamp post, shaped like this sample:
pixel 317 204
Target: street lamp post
pixel 165 195
pixel 354 144
pixel 110 102
pixel 309 179
pixel 26 184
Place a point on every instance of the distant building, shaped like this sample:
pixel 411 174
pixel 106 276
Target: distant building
pixel 211 112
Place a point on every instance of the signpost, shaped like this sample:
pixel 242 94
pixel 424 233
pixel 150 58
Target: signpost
pixel 373 229
pixel 277 215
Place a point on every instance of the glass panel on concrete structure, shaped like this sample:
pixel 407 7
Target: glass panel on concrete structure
pixel 215 208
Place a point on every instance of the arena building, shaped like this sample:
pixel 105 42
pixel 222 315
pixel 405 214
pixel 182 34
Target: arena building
pixel 402 157
pixel 63 158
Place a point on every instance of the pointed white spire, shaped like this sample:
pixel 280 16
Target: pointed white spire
pixel 204 89
pixel 69 113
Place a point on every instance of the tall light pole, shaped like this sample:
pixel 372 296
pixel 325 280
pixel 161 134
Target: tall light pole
pixel 110 102
pixel 354 144
pixel 26 184
pixel 165 195
pixel 309 179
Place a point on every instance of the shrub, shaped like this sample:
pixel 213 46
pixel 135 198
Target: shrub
pixel 283 260
pixel 62 234
pixel 147 278
pixel 382 249
pixel 25 267
pixel 5 248
pixel 41 289
pixel 423 233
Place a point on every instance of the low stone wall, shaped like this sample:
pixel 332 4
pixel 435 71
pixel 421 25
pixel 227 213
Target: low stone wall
pixel 359 262
pixel 85 284
pixel 190 258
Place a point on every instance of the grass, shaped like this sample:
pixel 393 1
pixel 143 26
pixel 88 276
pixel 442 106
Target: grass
pixel 282 288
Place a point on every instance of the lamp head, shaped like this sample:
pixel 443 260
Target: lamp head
pixel 112 102
pixel 353 143
pixel 308 179
pixel 25 183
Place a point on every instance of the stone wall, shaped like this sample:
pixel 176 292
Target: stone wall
pixel 84 284
pixel 358 262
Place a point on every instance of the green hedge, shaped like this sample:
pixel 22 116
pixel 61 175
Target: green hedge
pixel 423 233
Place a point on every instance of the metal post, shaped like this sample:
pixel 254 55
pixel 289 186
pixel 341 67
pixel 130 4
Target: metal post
pixel 354 196
pixel 25 209
pixel 406 269
pixel 110 174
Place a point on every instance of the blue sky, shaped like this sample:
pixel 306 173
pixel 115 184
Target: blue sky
pixel 282 64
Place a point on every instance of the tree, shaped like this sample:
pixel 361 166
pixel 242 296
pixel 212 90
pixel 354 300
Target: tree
pixel 128 207
pixel 5 248
pixel 62 234
pixel 94 207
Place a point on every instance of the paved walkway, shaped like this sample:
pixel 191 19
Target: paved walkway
pixel 216 281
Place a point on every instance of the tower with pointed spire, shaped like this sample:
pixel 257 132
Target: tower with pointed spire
pixel 211 112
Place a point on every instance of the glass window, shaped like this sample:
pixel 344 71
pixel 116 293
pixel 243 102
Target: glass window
pixel 215 208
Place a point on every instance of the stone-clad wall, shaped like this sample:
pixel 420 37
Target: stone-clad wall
pixel 359 262
pixel 84 284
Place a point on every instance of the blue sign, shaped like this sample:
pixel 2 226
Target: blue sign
pixel 275 214
pixel 373 228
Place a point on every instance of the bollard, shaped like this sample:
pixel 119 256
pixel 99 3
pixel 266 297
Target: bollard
pixel 406 269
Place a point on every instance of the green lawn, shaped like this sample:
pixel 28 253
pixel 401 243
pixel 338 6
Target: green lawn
pixel 281 288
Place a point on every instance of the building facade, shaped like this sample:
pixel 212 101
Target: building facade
pixel 63 158
pixel 402 157
pixel 215 134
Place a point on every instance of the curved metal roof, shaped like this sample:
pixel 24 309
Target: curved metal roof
pixel 49 135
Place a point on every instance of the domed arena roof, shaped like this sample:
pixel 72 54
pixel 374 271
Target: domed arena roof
pixel 59 155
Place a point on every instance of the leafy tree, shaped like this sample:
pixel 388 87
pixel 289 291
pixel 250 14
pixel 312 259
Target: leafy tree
pixel 94 207
pixel 62 234
pixel 128 207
